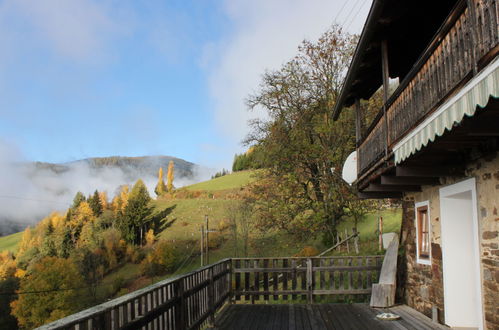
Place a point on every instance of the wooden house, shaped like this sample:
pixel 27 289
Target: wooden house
pixel 434 143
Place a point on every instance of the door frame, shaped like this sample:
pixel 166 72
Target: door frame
pixel 447 192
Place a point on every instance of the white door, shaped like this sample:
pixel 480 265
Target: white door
pixel 461 255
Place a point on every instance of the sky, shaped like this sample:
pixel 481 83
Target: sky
pixel 84 78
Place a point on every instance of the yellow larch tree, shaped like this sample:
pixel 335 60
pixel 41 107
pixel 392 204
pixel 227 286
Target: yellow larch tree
pixel 170 176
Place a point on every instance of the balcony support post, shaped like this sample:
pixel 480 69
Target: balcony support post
pixel 386 87
pixel 358 122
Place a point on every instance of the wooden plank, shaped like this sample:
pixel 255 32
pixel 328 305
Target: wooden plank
pixel 266 278
pixel 256 283
pixel 292 317
pixel 379 195
pixel 322 279
pixel 285 265
pixel 303 278
pixel 326 316
pixel 373 187
pixel 275 278
pixel 246 280
pixel 433 171
pixel 407 180
pixel 293 280
pixel 383 293
pixel 238 278
pixel 332 284
pixel 315 320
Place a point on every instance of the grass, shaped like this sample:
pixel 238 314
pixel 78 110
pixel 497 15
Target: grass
pixel 226 182
pixel 188 215
pixel 10 242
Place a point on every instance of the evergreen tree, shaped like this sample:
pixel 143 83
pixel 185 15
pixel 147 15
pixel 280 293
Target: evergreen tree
pixel 136 214
pixel 160 187
pixel 169 176
pixel 79 197
pixel 95 204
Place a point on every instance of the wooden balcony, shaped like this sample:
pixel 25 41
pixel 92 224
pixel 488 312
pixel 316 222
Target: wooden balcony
pixel 192 301
pixel 466 42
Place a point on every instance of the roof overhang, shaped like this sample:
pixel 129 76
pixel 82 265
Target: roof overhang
pixel 408 27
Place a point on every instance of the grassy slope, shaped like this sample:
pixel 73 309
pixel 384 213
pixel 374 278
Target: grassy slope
pixel 10 242
pixel 226 182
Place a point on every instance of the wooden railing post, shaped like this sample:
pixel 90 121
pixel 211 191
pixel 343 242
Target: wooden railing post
pixel 180 316
pixel 309 281
pixel 211 298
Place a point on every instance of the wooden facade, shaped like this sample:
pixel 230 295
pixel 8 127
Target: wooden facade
pixel 467 40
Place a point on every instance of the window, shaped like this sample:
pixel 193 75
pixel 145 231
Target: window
pixel 423 239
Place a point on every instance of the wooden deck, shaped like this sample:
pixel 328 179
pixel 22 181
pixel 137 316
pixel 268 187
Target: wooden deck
pixel 318 317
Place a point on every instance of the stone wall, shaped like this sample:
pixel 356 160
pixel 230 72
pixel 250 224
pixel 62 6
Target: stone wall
pixel 422 285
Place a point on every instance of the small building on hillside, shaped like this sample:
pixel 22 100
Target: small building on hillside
pixel 434 143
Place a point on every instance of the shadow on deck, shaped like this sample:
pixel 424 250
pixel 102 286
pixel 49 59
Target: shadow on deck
pixel 319 316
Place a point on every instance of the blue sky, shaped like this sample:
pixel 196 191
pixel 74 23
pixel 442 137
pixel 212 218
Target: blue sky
pixel 82 78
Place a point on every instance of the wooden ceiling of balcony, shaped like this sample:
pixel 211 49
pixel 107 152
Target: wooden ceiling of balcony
pixel 475 137
pixel 408 27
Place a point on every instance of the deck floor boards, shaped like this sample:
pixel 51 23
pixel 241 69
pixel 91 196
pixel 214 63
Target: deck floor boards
pixel 319 317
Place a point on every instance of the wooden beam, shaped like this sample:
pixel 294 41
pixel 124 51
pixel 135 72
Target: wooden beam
pixel 385 69
pixel 373 187
pixel 379 195
pixel 358 122
pixel 428 172
pixel 408 180
pixel 386 87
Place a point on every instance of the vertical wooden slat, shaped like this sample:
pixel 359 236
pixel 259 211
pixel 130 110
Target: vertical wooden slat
pixel 285 278
pixel 266 278
pixel 275 277
pixel 246 279
pixel 322 277
pixel 331 275
pixel 237 265
pixel 293 279
pixel 256 282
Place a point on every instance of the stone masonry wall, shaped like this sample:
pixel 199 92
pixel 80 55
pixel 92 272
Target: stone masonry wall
pixel 422 287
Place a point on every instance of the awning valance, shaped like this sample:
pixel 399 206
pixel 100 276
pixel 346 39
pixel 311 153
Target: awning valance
pixel 475 93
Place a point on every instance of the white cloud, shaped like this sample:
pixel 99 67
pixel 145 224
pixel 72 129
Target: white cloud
pixel 27 193
pixel 265 35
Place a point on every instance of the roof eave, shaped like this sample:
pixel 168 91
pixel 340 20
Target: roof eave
pixel 365 38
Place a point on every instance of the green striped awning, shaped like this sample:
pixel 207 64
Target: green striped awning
pixel 475 93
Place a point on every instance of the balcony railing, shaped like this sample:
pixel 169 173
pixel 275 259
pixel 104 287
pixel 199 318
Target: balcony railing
pixel 191 301
pixel 465 41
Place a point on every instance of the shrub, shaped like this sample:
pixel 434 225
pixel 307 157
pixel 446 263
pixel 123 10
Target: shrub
pixel 307 251
pixel 160 260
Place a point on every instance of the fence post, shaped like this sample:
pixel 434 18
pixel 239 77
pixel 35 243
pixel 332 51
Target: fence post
pixel 309 281
pixel 180 312
pixel 229 281
pixel 211 297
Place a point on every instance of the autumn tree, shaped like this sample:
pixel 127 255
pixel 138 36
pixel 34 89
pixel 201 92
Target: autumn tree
pixel 170 176
pixel 301 146
pixel 160 187
pixel 61 282
pixel 103 200
pixel 79 197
